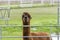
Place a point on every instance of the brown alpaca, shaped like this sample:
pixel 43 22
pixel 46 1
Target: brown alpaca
pixel 26 29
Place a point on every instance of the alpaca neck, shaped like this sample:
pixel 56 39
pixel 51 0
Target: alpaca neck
pixel 26 31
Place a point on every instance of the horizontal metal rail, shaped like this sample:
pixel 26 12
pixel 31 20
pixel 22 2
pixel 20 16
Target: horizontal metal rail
pixel 4 25
pixel 24 36
pixel 4 8
pixel 1 25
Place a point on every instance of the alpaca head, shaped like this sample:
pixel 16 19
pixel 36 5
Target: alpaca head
pixel 26 17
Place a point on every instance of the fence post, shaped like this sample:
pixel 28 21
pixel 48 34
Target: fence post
pixel 52 2
pixel 0 33
pixel 42 2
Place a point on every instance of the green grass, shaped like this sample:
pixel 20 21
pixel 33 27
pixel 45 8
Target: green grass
pixel 41 16
pixel 11 39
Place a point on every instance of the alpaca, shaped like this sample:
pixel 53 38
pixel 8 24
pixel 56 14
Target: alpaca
pixel 26 17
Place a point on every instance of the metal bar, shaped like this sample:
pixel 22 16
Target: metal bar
pixel 24 36
pixel 26 25
pixel 1 14
pixel 58 18
pixel 9 8
pixel 8 13
pixel 50 32
pixel 3 8
pixel 6 19
pixel 1 33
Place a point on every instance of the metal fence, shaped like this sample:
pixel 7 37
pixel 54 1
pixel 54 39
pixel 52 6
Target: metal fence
pixel 6 17
pixel 28 3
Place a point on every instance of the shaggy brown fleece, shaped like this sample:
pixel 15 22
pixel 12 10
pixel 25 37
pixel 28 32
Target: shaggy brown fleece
pixel 26 17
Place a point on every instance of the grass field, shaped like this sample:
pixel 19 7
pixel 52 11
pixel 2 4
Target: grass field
pixel 42 18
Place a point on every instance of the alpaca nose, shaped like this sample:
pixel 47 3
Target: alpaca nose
pixel 25 17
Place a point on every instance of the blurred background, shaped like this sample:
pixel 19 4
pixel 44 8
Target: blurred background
pixel 45 17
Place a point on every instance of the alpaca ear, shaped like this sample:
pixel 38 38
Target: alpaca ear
pixel 30 16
